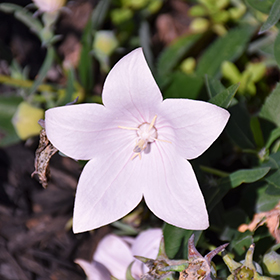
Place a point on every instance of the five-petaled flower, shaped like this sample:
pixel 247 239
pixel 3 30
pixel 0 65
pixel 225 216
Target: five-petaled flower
pixel 137 145
pixel 115 254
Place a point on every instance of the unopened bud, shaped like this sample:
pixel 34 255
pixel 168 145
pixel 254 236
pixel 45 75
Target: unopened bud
pixel 272 263
pixel 25 120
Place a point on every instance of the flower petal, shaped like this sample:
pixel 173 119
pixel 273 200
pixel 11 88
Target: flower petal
pixel 171 189
pixel 131 88
pixel 146 245
pixel 108 189
pixel 86 130
pixel 115 254
pixel 94 270
pixel 196 124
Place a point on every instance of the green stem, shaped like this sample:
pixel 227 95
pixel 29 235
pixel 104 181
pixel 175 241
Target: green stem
pixel 214 171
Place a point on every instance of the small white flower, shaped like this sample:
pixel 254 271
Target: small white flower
pixel 114 254
pixel 49 6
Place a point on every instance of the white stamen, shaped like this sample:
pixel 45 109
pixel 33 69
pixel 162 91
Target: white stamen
pixel 147 133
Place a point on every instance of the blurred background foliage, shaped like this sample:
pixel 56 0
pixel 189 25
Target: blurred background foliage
pixel 226 52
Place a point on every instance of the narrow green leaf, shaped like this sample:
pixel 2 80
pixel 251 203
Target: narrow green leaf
pixel 172 55
pixel 270 110
pixel 257 132
pixel 276 49
pixel 99 14
pixel 145 41
pixel 213 86
pixel 273 17
pixel 228 47
pixel 224 98
pixel 183 86
pixel 43 70
pixel 70 87
pixel 238 127
pixel 8 107
pixel 128 275
pixel 263 6
pixel 24 16
pixel 263 45
pixel 85 66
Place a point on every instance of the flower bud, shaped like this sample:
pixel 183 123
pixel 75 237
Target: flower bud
pixel 231 72
pixel 245 270
pixel 25 120
pixel 272 263
pixel 105 42
pixel 197 11
pixel 188 65
pixel 199 25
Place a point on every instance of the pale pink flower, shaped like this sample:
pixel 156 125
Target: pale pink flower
pixel 137 145
pixel 49 6
pixel 114 254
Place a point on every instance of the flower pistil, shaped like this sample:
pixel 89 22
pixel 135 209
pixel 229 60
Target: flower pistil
pixel 146 133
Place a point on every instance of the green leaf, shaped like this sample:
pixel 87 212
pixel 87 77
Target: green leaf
pixel 273 17
pixel 257 132
pixel 241 241
pixel 47 64
pixel 8 107
pixel 24 16
pixel 99 14
pixel 234 180
pixel 273 161
pixel 228 47
pixel 247 176
pixel 85 66
pixel 263 6
pixel 263 45
pixel 238 127
pixel 173 238
pixel 70 87
pixel 269 194
pixel 213 86
pixel 183 86
pixel 274 135
pixel 266 201
pixel 276 49
pixel 273 189
pixel 274 178
pixel 128 275
pixel 270 110
pixel 172 55
pixel 224 98
pixel 145 42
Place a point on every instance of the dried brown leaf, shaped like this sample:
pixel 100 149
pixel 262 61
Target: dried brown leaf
pixel 43 155
pixel 270 218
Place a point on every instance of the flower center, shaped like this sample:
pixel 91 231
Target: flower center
pixel 147 133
